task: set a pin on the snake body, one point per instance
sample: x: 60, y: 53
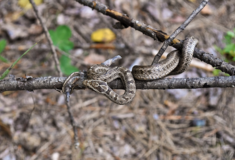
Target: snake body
x: 101, y: 74
x: 175, y: 63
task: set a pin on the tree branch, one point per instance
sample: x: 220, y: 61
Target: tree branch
x: 31, y: 84
x: 178, y: 31
x: 158, y: 34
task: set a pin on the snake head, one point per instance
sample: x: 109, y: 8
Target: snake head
x: 95, y: 71
x: 97, y: 85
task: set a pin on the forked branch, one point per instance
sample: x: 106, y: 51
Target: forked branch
x: 158, y: 34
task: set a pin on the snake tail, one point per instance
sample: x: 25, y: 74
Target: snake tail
x: 186, y: 55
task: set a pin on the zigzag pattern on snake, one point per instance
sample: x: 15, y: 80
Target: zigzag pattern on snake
x: 175, y: 63
x: 100, y: 75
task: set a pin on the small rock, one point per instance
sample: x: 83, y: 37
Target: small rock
x: 55, y: 156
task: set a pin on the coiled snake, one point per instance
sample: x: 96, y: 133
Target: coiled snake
x: 101, y: 74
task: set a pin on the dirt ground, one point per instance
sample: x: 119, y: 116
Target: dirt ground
x: 178, y: 124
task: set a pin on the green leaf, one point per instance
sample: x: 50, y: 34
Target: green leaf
x: 60, y: 37
x: 66, y: 46
x: 229, y: 48
x: 64, y: 32
x: 69, y: 69
x: 60, y: 33
x: 3, y: 44
x: 65, y: 60
x: 65, y: 65
x: 3, y: 59
x: 14, y: 63
x: 231, y: 34
x: 216, y: 72
x: 227, y: 39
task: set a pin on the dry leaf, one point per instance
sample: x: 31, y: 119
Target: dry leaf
x: 27, y: 5
x: 15, y: 31
x: 193, y: 1
x: 35, y: 29
x: 11, y: 17
x: 5, y: 128
x: 207, y: 10
x: 94, y: 59
x: 103, y: 35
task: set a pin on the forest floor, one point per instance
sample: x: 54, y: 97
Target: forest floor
x: 179, y: 124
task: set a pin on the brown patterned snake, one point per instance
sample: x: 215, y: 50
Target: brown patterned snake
x: 175, y: 63
x: 101, y: 74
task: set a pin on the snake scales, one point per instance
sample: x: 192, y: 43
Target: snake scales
x: 175, y: 63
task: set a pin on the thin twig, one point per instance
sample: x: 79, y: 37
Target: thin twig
x: 55, y: 57
x: 158, y: 34
x: 72, y: 122
x: 178, y: 30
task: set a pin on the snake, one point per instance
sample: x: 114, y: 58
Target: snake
x: 176, y: 62
x: 98, y: 76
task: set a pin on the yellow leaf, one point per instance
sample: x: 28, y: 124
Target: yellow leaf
x: 27, y: 5
x: 103, y: 35
x: 193, y: 1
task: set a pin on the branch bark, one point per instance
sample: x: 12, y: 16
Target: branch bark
x: 158, y: 35
x: 31, y: 84
x: 178, y: 31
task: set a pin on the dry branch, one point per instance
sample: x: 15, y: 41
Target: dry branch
x: 158, y: 34
x: 31, y: 84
